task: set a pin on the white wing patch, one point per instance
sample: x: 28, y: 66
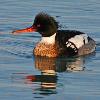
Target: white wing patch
x: 79, y: 40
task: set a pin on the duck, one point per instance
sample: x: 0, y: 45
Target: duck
x: 56, y: 42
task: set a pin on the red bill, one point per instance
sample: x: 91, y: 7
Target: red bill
x: 25, y: 30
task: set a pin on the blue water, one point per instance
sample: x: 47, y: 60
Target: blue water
x: 25, y: 77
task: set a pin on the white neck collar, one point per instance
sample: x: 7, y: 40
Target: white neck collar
x: 48, y: 40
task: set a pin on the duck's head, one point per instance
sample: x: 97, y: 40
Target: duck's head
x: 43, y: 23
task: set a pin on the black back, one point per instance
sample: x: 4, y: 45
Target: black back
x: 62, y: 37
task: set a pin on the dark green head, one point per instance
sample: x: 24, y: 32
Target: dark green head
x: 45, y: 24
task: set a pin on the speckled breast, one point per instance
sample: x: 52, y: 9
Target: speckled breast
x: 49, y: 50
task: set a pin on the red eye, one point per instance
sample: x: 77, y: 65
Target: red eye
x: 38, y: 25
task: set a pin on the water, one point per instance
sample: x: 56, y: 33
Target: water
x: 24, y: 77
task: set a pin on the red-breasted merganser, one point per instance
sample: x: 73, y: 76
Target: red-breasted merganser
x: 56, y: 42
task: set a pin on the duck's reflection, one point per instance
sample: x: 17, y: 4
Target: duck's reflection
x: 48, y: 72
x: 76, y: 64
x: 48, y: 77
x: 50, y: 67
x: 47, y: 83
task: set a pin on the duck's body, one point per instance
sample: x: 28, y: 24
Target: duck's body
x: 55, y: 42
x: 65, y: 42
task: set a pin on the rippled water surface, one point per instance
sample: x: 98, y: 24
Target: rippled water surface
x: 25, y: 77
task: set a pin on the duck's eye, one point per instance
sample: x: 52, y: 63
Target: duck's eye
x: 38, y: 25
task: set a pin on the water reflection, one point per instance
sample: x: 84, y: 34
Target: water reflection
x: 53, y: 65
x: 49, y: 68
x: 46, y: 83
x: 48, y: 77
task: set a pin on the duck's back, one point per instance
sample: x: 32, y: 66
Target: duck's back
x: 73, y: 42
